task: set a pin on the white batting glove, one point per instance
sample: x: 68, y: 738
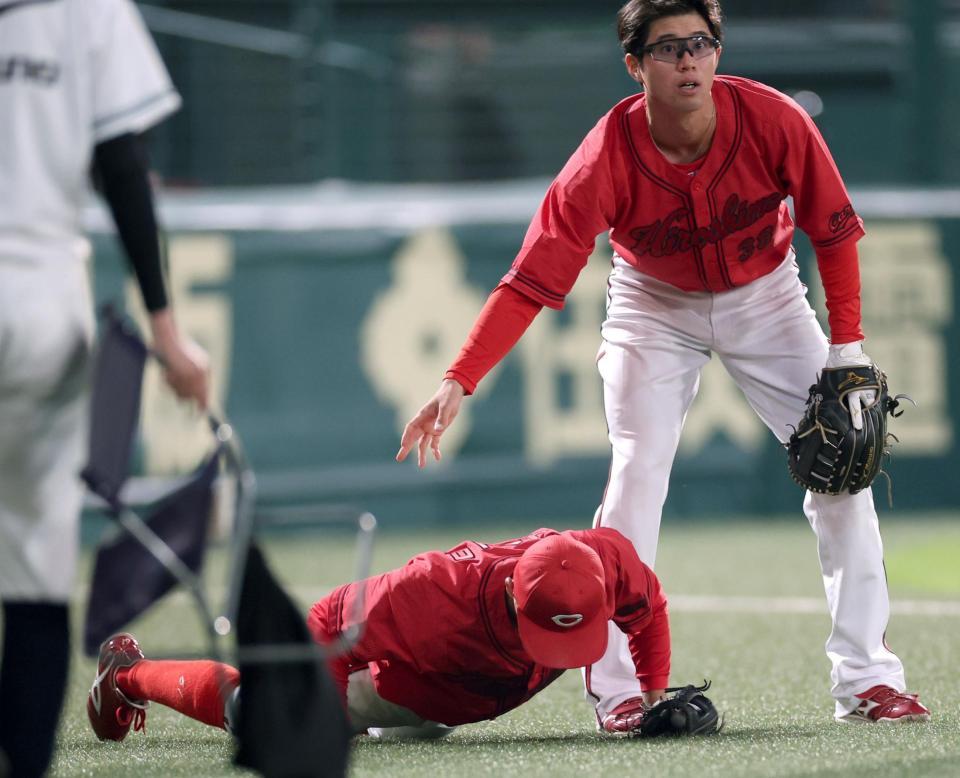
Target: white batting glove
x: 851, y: 355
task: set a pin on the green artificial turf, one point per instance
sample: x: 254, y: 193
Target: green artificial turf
x: 927, y: 566
x: 769, y: 672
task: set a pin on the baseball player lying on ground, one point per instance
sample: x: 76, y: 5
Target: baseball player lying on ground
x: 453, y: 637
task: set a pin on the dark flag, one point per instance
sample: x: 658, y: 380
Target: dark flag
x: 127, y: 578
x: 115, y: 407
x: 291, y: 720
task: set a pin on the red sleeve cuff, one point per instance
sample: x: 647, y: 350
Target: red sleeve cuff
x: 653, y: 682
x: 840, y: 272
x: 469, y: 387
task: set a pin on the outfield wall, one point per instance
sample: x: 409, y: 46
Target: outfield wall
x: 331, y: 313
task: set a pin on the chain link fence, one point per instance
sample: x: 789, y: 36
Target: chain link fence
x: 293, y: 91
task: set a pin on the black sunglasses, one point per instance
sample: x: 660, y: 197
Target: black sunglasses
x: 673, y: 49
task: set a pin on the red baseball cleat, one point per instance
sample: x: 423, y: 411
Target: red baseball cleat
x: 110, y: 712
x: 882, y: 703
x: 624, y: 719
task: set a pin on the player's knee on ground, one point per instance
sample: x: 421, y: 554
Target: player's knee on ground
x: 370, y: 713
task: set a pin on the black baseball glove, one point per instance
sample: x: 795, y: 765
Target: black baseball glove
x: 826, y: 453
x: 687, y: 711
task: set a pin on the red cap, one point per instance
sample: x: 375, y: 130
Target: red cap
x: 561, y: 602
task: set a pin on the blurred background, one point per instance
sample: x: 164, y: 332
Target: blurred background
x: 348, y: 179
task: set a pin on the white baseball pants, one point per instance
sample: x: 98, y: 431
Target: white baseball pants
x: 656, y: 339
x: 369, y: 712
x: 46, y: 331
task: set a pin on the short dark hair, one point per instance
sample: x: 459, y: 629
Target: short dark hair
x: 636, y: 16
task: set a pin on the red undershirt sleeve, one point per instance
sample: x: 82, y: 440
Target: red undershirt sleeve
x: 840, y: 272
x: 638, y: 603
x: 503, y: 320
x: 651, y: 650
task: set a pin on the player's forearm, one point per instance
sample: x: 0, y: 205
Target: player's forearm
x: 840, y: 273
x: 502, y: 321
x: 650, y: 649
x: 122, y: 165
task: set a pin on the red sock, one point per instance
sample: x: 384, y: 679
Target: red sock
x: 197, y: 689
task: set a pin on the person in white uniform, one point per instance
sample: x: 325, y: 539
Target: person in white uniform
x: 79, y: 81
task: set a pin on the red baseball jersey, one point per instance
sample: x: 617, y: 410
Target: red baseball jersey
x: 710, y: 229
x: 440, y: 640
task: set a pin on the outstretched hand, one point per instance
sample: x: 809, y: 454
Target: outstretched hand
x: 424, y: 429
x: 186, y: 366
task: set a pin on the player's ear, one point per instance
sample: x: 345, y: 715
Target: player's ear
x: 632, y: 64
x: 508, y: 585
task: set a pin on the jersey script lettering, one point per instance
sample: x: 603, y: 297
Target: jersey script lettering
x: 663, y: 238
x: 38, y: 71
x: 840, y: 219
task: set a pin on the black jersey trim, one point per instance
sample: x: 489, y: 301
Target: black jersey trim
x: 21, y: 3
x: 534, y: 285
x: 845, y: 235
x: 145, y: 103
x: 724, y: 167
x: 662, y: 182
x: 485, y: 617
x: 341, y: 598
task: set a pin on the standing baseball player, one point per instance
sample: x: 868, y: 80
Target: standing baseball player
x: 452, y: 637
x: 79, y: 80
x: 691, y: 177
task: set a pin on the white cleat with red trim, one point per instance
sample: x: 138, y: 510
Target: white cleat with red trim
x: 885, y: 704
x: 623, y: 720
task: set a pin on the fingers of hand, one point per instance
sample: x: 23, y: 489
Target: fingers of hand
x: 190, y: 384
x: 422, y: 450
x: 426, y: 428
x: 411, y: 434
x: 856, y: 402
x: 187, y: 369
x: 198, y: 392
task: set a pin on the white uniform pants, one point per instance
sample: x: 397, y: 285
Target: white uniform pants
x: 46, y: 328
x: 369, y: 712
x: 656, y: 340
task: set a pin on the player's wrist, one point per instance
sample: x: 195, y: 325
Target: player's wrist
x: 652, y: 697
x: 163, y: 326
x: 453, y: 382
x: 847, y: 354
x: 169, y: 342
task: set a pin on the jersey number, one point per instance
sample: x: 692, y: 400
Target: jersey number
x: 748, y: 246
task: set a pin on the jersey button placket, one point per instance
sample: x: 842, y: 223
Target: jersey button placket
x: 702, y: 217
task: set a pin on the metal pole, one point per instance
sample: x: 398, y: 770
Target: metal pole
x: 316, y: 93
x: 925, y: 22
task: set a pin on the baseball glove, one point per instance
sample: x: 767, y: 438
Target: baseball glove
x: 686, y: 712
x: 825, y: 453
